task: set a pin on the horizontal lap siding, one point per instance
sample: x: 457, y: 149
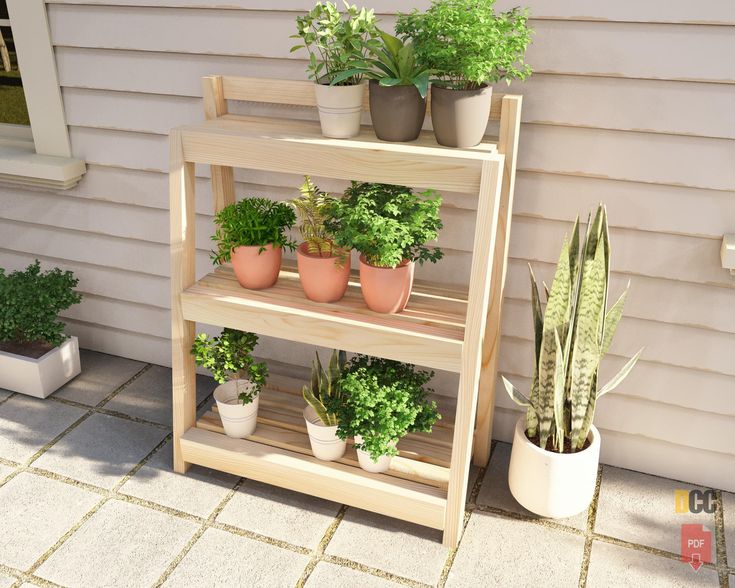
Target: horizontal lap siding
x: 628, y: 107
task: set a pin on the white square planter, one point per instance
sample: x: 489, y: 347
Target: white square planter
x: 44, y: 375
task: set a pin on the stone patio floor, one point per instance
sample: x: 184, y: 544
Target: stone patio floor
x: 88, y: 498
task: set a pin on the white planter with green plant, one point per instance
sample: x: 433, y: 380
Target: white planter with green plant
x: 229, y: 358
x: 556, y: 448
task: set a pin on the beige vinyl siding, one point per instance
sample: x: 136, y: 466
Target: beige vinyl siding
x: 631, y: 105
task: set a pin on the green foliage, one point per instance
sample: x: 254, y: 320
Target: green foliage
x: 467, y: 44
x: 325, y: 388
x: 252, y: 221
x: 336, y: 42
x: 386, y: 223
x: 229, y: 357
x: 312, y: 208
x: 394, y: 64
x: 571, y: 339
x: 383, y: 401
x: 30, y: 302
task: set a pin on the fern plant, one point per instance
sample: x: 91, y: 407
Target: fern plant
x: 325, y: 389
x: 571, y: 338
x: 312, y: 208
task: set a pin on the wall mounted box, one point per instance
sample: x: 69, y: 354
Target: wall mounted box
x: 44, y: 375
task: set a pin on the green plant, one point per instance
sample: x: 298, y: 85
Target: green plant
x: 386, y: 223
x: 571, y: 338
x: 325, y: 387
x: 394, y: 64
x: 383, y: 401
x: 467, y: 44
x: 252, y: 221
x: 336, y: 42
x: 229, y: 358
x: 312, y: 208
x: 31, y: 301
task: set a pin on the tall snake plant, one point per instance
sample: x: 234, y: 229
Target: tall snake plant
x: 324, y: 391
x: 571, y: 338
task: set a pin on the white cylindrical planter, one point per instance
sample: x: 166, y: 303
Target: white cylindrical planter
x: 340, y: 109
x: 239, y: 420
x: 366, y: 462
x: 550, y: 484
x: 325, y: 444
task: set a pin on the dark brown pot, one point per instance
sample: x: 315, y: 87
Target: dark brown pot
x: 460, y: 116
x: 397, y: 112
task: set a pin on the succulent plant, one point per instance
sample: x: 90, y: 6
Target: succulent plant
x: 324, y: 389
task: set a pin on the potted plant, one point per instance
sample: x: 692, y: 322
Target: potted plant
x: 324, y: 269
x: 398, y: 87
x: 252, y: 234
x: 382, y: 401
x: 229, y: 358
x: 390, y: 226
x: 467, y: 46
x: 323, y: 396
x: 36, y: 358
x: 556, y: 448
x: 336, y: 43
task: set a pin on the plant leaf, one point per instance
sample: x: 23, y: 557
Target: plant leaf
x: 515, y: 395
x: 612, y: 318
x: 620, y: 376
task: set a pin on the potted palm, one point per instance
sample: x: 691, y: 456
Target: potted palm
x: 390, y: 226
x: 241, y: 379
x: 323, y: 395
x: 36, y: 358
x: 468, y: 47
x: 324, y: 269
x: 252, y: 234
x: 336, y: 43
x: 556, y: 448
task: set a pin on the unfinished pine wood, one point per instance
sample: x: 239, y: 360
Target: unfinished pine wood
x: 223, y: 179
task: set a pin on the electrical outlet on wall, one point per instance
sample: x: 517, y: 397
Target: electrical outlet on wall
x: 727, y: 253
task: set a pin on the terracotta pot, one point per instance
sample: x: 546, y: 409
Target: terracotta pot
x: 322, y: 279
x: 460, y: 116
x: 397, y: 112
x: 238, y: 420
x: 386, y: 289
x: 256, y: 270
x: 325, y: 444
x: 340, y: 109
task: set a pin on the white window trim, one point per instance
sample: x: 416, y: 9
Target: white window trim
x: 43, y: 157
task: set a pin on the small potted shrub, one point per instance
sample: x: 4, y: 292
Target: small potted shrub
x: 336, y: 43
x: 383, y: 401
x: 556, y: 448
x: 467, y: 46
x: 36, y: 358
x: 324, y: 269
x: 241, y: 379
x: 252, y: 234
x: 323, y: 396
x: 390, y: 226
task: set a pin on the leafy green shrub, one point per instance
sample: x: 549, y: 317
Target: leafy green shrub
x: 30, y: 302
x: 252, y: 221
x: 325, y: 387
x: 229, y: 357
x: 336, y: 44
x: 467, y: 44
x: 386, y: 223
x: 312, y: 209
x: 383, y: 401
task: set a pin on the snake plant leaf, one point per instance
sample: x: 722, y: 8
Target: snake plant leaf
x: 621, y: 375
x: 538, y: 330
x: 514, y: 394
x: 589, y: 415
x: 612, y: 318
x: 574, y: 251
x: 318, y: 406
x: 560, y: 378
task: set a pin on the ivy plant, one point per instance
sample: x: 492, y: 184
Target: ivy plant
x: 467, y: 44
x: 383, y: 400
x: 311, y: 208
x: 229, y: 358
x: 30, y: 301
x: 252, y: 222
x: 336, y: 42
x: 387, y: 224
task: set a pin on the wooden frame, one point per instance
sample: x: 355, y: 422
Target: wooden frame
x: 440, y: 328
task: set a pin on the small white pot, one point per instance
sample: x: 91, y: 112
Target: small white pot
x: 239, y: 420
x: 550, y: 484
x: 340, y: 109
x: 367, y: 463
x: 41, y: 376
x: 325, y: 444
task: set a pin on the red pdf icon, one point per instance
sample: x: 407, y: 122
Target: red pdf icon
x: 696, y: 545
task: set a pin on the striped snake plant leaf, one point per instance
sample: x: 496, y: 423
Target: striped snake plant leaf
x: 560, y: 379
x: 538, y: 329
x: 514, y: 394
x: 621, y: 375
x: 612, y: 318
x: 588, y: 416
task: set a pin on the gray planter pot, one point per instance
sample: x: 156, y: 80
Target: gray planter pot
x: 397, y: 112
x: 460, y: 116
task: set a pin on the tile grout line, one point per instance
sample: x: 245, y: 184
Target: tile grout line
x: 590, y: 530
x: 720, y: 541
x: 318, y: 552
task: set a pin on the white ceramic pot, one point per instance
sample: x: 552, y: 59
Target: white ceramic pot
x: 340, y: 109
x: 325, y: 444
x: 366, y: 462
x: 550, y: 484
x: 41, y: 376
x: 239, y: 420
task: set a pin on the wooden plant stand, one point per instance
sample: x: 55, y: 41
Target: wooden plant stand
x: 441, y: 328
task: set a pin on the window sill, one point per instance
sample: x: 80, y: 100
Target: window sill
x: 21, y: 165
